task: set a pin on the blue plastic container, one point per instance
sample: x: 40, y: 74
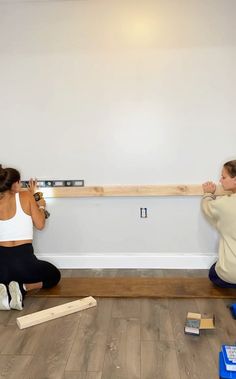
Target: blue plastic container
x: 223, y: 373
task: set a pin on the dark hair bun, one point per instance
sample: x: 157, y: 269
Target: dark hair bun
x: 8, y: 176
x: 3, y: 173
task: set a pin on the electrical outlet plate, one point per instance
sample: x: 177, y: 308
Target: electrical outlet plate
x: 143, y: 212
x: 55, y: 183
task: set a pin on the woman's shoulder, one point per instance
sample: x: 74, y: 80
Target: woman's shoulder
x: 25, y: 195
x: 25, y: 201
x: 225, y: 201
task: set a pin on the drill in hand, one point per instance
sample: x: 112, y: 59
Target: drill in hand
x: 37, y: 197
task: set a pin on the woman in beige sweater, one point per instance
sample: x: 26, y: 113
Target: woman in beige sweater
x: 221, y: 213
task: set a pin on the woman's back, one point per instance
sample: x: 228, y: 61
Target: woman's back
x: 8, y: 205
x: 16, y: 226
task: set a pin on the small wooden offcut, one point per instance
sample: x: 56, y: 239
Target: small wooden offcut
x: 134, y: 287
x: 55, y: 312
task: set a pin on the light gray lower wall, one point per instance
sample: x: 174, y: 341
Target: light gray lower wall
x: 108, y: 232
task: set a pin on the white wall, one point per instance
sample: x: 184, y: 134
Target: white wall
x: 120, y: 92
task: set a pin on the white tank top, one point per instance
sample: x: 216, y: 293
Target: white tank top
x: 17, y: 228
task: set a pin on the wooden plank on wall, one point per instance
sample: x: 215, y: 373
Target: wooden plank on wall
x: 128, y: 190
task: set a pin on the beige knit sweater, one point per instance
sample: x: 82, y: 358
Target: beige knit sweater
x: 221, y: 213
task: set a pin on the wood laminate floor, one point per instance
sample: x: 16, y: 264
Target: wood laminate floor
x: 119, y: 339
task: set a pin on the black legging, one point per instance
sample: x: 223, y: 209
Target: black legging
x: 19, y: 263
x: 217, y: 280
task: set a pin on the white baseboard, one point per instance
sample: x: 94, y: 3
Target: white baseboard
x: 132, y: 260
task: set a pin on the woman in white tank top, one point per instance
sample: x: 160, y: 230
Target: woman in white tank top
x: 20, y: 270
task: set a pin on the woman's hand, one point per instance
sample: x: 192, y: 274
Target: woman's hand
x: 41, y: 202
x: 33, y: 186
x: 209, y: 187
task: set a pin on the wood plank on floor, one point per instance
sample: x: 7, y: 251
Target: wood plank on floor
x: 156, y: 287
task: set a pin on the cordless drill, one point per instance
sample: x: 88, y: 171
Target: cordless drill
x: 37, y: 197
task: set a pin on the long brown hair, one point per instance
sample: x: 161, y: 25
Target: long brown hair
x: 8, y: 176
x: 230, y: 166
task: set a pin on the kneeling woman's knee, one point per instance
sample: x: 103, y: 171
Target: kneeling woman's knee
x: 212, y: 273
x: 57, y: 277
x: 53, y: 279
